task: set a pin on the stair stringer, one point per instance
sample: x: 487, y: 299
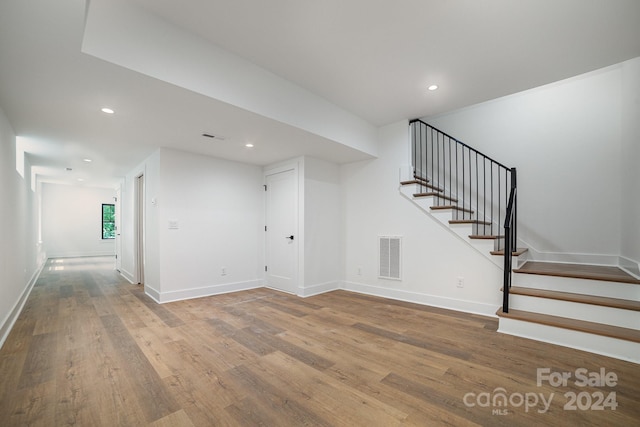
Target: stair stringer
x: 462, y: 231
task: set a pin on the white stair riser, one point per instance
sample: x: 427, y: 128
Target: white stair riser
x: 442, y: 215
x: 612, y: 347
x: 587, y: 312
x: 424, y: 202
x: 484, y: 245
x: 578, y: 286
x: 408, y: 190
x: 462, y: 230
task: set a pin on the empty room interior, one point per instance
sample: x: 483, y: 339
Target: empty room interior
x: 337, y: 213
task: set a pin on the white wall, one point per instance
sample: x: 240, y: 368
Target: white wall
x: 72, y: 220
x: 630, y: 208
x: 218, y: 207
x: 433, y: 258
x: 565, y: 141
x: 20, y: 253
x: 323, y: 227
x: 149, y: 169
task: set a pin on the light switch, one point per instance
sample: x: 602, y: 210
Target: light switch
x: 173, y: 224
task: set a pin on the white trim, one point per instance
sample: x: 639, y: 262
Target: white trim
x: 152, y: 293
x: 319, y: 288
x: 127, y: 275
x: 183, y: 294
x: 81, y: 254
x: 630, y: 266
x: 424, y: 299
x: 10, y: 320
x: 569, y: 257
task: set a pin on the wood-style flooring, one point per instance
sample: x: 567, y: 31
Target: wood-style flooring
x: 90, y: 349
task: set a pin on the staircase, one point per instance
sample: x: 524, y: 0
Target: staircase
x: 592, y: 308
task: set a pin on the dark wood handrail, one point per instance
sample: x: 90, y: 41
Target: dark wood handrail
x: 509, y: 241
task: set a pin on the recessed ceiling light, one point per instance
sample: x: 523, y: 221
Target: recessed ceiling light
x: 249, y: 145
x: 433, y: 87
x: 87, y: 160
x: 107, y: 110
x: 80, y: 179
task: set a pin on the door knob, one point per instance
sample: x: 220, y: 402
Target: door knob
x: 289, y: 237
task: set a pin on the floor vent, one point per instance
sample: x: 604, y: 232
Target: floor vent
x: 390, y: 256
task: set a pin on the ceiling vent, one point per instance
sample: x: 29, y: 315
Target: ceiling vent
x: 212, y: 136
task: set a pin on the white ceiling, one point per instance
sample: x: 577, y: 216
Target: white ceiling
x: 373, y: 58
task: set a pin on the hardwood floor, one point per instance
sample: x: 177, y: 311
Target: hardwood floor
x: 91, y: 349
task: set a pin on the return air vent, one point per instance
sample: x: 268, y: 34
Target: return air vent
x: 390, y: 249
x: 212, y: 136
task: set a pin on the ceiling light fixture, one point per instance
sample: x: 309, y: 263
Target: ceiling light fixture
x: 107, y: 110
x: 433, y: 87
x: 249, y: 145
x: 87, y: 160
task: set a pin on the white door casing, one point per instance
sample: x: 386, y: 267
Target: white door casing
x: 118, y: 218
x: 281, y: 252
x: 139, y: 228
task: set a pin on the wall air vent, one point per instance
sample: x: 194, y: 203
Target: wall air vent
x: 390, y: 252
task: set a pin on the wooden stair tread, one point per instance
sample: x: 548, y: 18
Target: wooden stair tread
x: 573, y: 324
x: 434, y: 194
x: 457, y: 208
x: 416, y: 180
x: 485, y: 237
x: 579, y: 271
x: 469, y: 221
x: 517, y: 252
x: 580, y: 298
x: 421, y: 183
x: 412, y: 181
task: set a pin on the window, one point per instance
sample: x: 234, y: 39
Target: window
x: 108, y: 221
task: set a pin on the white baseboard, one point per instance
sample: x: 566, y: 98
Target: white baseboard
x: 127, y: 275
x: 152, y: 293
x: 81, y: 254
x: 183, y: 294
x: 320, y: 288
x: 570, y: 258
x: 424, y: 299
x: 630, y: 266
x: 10, y: 320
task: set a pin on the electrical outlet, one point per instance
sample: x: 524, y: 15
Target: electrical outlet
x: 359, y: 271
x: 460, y: 282
x: 223, y: 271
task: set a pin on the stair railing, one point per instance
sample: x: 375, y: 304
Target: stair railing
x: 476, y: 187
x: 510, y: 237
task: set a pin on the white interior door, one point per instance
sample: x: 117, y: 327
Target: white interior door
x: 281, y: 231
